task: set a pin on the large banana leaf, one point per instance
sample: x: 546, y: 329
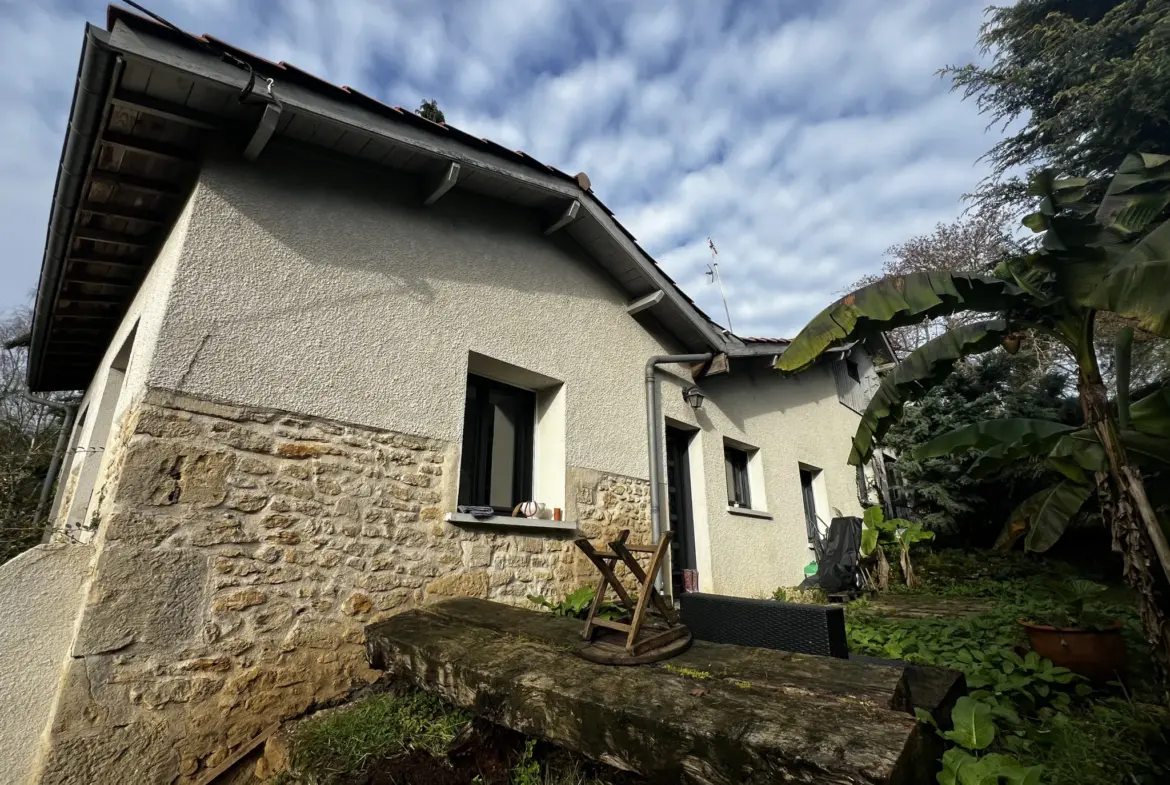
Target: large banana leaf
x: 1079, y: 455
x: 1043, y: 517
x: 918, y: 373
x: 1138, y: 286
x: 896, y: 302
x: 1018, y: 433
x: 1124, y: 205
x: 1152, y: 414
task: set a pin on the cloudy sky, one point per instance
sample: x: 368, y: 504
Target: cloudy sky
x: 803, y: 137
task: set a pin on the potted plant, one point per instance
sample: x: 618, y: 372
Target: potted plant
x: 1077, y: 636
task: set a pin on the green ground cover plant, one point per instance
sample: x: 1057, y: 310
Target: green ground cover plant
x: 1040, y: 715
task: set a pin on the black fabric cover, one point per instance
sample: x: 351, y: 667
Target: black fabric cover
x: 766, y: 624
x: 837, y: 568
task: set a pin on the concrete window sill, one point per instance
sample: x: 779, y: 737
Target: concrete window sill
x: 749, y: 513
x: 508, y: 522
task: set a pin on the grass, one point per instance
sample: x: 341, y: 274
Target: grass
x: 1109, y: 741
x: 346, y: 740
x: 342, y: 744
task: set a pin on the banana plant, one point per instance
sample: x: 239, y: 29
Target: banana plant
x: 877, y: 529
x: 1113, y: 256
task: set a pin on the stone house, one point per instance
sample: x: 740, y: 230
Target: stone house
x: 309, y: 327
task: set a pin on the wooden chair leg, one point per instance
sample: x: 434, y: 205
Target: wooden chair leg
x: 646, y: 581
x: 608, y: 578
x: 647, y: 578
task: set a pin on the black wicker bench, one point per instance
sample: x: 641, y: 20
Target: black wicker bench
x: 766, y: 624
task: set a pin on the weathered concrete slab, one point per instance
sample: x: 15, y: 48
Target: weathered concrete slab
x: 756, y: 716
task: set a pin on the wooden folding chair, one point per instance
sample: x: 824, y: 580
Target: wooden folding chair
x: 641, y: 636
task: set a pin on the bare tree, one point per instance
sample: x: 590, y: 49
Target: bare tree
x: 972, y: 243
x: 28, y: 436
x: 975, y: 242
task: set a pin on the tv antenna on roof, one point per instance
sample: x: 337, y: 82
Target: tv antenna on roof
x: 714, y: 277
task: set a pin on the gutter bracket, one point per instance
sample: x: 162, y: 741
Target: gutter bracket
x: 567, y: 217
x: 645, y: 303
x: 266, y: 127
x: 444, y: 184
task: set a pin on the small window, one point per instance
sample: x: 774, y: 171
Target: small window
x: 738, y: 489
x: 496, y: 465
x: 862, y: 486
x: 808, y: 496
x: 853, y: 370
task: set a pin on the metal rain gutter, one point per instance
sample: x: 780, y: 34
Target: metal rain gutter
x: 95, y: 75
x: 655, y: 438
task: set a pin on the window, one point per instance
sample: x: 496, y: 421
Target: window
x: 808, y: 496
x: 496, y: 465
x: 862, y: 486
x: 853, y: 371
x: 738, y: 489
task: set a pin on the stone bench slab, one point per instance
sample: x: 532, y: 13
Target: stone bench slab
x: 716, y: 714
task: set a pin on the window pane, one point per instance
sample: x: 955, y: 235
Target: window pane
x: 496, y: 467
x: 503, y: 471
x: 735, y: 463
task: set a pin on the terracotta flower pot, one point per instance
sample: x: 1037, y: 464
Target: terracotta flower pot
x: 1096, y: 654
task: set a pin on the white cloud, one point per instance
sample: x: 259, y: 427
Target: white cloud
x: 804, y: 138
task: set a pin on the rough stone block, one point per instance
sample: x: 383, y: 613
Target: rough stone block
x: 238, y: 600
x: 460, y: 584
x: 152, y: 598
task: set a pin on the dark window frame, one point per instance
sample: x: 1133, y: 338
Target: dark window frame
x: 475, y: 463
x: 739, y: 489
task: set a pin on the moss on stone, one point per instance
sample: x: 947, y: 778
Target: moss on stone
x: 690, y: 673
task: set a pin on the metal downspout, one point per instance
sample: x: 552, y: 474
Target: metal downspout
x: 654, y: 437
x: 68, y: 412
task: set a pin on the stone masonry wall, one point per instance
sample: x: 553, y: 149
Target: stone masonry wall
x: 241, y: 554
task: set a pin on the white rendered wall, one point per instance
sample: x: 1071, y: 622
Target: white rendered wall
x: 312, y: 288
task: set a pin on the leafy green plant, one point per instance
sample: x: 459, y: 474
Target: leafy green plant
x: 527, y: 770
x: 877, y: 531
x: 1077, y: 608
x: 577, y: 603
x: 968, y: 762
x: 1113, y: 257
x: 1044, y: 714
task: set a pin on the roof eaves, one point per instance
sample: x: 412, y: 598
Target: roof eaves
x: 95, y: 72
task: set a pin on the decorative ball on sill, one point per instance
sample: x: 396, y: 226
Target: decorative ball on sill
x: 529, y: 509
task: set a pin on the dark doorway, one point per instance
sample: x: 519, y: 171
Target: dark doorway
x: 678, y: 499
